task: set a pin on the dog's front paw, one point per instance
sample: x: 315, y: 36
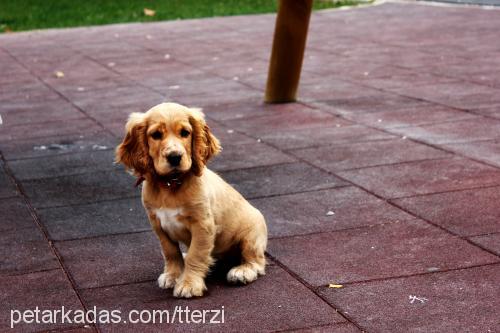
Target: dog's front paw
x: 188, y: 288
x: 166, y: 281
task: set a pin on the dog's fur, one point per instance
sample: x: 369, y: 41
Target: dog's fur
x: 203, y: 212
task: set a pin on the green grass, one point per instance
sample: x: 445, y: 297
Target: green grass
x: 17, y: 15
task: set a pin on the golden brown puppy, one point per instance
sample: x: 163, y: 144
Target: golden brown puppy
x: 168, y: 147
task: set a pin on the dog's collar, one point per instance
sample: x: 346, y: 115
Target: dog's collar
x: 139, y: 181
x: 172, y: 181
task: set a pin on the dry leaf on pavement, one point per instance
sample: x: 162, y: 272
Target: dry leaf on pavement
x: 332, y: 285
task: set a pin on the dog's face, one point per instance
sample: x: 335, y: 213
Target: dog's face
x: 169, y: 138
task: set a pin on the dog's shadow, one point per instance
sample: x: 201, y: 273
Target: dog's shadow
x: 218, y: 272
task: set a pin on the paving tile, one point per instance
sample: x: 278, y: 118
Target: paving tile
x: 80, y: 189
x: 104, y: 51
x: 460, y: 94
x: 486, y: 151
x: 490, y: 242
x: 111, y: 260
x: 377, y: 252
x: 115, y: 97
x: 484, y: 72
x: 373, y: 103
x: 465, y: 213
x: 251, y: 110
x: 405, y: 78
x: 248, y: 155
x: 84, y: 73
x: 280, y: 179
x: 336, y: 328
x: 329, y: 89
x: 83, y: 329
x: 206, y: 84
x: 284, y: 121
x: 489, y: 111
x: 332, y: 135
x: 182, y: 76
x: 365, y: 154
x: 427, y: 115
x: 227, y: 135
x: 64, y: 165
x: 38, y: 130
x: 454, y: 132
x: 241, y: 94
x: 101, y: 218
x: 305, y: 213
x: 15, y: 214
x: 463, y: 300
x: 264, y: 305
x: 423, y: 177
x: 25, y: 250
x: 38, y: 112
x: 134, y: 64
x: 7, y: 188
x: 49, y: 290
x: 31, y: 93
x: 57, y: 145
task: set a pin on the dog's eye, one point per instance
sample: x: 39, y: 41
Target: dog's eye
x: 156, y: 135
x: 185, y: 133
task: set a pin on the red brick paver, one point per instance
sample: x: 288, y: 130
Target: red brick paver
x: 384, y: 177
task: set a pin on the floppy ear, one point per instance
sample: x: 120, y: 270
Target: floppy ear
x: 204, y: 143
x: 133, y: 151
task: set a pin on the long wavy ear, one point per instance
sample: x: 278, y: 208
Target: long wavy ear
x: 133, y: 151
x: 204, y: 143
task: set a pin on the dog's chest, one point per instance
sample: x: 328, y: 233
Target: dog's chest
x: 169, y: 220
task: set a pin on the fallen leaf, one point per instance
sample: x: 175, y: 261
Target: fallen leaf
x: 332, y: 285
x: 59, y: 74
x: 149, y: 12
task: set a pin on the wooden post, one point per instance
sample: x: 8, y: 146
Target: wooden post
x: 290, y: 36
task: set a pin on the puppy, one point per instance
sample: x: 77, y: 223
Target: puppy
x: 167, y: 148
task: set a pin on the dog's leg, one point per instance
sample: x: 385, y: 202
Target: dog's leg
x: 171, y: 253
x: 197, y: 261
x: 253, y: 259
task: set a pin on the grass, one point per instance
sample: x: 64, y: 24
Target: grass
x: 18, y: 15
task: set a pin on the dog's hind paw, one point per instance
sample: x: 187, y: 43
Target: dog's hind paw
x: 242, y: 274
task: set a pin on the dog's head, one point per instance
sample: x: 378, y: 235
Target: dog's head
x: 169, y: 138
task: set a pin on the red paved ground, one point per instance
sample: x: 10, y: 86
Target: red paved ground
x: 397, y: 132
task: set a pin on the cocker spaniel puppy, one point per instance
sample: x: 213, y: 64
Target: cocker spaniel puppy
x: 167, y: 148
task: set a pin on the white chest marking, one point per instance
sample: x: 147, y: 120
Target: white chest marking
x: 168, y: 219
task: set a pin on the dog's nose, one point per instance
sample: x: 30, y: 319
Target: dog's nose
x: 174, y: 159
